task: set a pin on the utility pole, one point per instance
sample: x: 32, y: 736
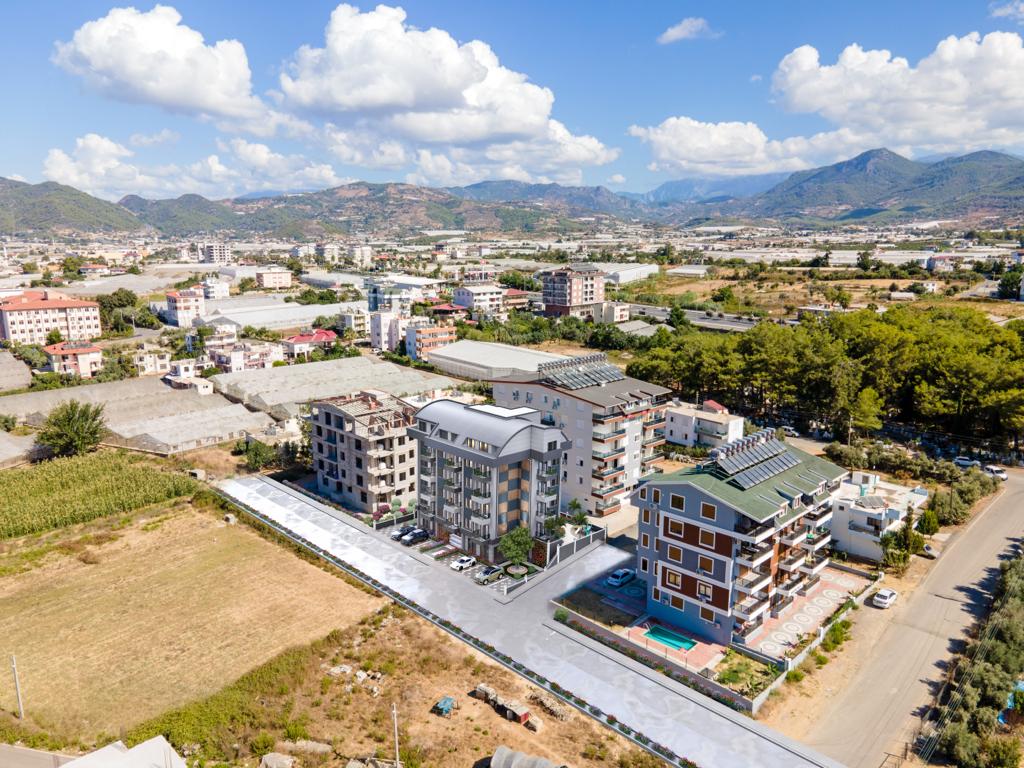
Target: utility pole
x: 17, y: 687
x: 394, y: 716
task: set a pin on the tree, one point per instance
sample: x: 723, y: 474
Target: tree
x: 577, y: 513
x: 864, y: 261
x: 1002, y: 752
x: 1009, y: 285
x: 8, y: 422
x: 515, y: 545
x: 928, y: 525
x: 259, y: 455
x: 54, y: 337
x: 865, y: 413
x: 73, y: 428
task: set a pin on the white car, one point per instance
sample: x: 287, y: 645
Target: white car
x: 619, y: 577
x: 462, y: 563
x: 884, y: 598
x: 965, y: 462
x: 788, y: 431
x: 995, y: 471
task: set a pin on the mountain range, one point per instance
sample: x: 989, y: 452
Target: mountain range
x: 878, y: 186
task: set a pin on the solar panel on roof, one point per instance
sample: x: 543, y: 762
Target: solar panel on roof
x: 581, y: 375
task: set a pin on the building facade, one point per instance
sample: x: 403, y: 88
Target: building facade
x: 27, y: 318
x: 866, y: 508
x: 151, y: 361
x: 358, y: 321
x: 361, y: 452
x: 246, y: 356
x: 688, y: 424
x: 576, y: 290
x: 216, y: 289
x: 729, y: 543
x: 421, y: 340
x: 302, y: 344
x: 215, y: 253
x: 274, y: 278
x: 74, y: 358
x: 484, y: 470
x: 186, y: 306
x: 482, y: 299
x: 615, y: 424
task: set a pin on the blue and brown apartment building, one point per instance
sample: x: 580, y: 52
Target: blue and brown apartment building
x: 726, y: 544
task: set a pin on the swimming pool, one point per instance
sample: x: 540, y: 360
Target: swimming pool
x: 669, y: 638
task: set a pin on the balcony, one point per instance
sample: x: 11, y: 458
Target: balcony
x: 608, y: 490
x: 426, y: 470
x: 813, y: 566
x: 866, y: 530
x: 793, y: 538
x: 755, y: 534
x: 379, y: 453
x: 793, y: 562
x: 791, y: 586
x: 380, y: 469
x: 547, y: 493
x: 609, y: 435
x: 603, y: 454
x: 480, y: 497
x: 426, y: 496
x: 753, y: 555
x: 747, y: 632
x: 781, y: 606
x: 654, y: 439
x: 380, y: 488
x: 601, y: 474
x: 753, y: 581
x: 817, y: 542
x: 606, y: 507
x: 819, y: 516
x: 751, y: 606
x: 655, y: 423
x: 551, y: 471
x: 480, y: 516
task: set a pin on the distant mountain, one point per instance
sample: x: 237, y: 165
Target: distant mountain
x: 54, y: 208
x: 697, y: 189
x: 568, y: 199
x: 262, y: 193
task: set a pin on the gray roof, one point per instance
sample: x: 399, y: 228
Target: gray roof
x: 493, y: 355
x: 14, y: 374
x: 487, y: 424
x: 607, y: 394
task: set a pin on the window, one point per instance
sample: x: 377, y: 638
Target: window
x: 645, y: 540
x: 705, y: 563
x: 707, y: 511
x: 656, y: 595
x: 643, y: 493
x: 675, y: 554
x: 675, y: 527
x: 707, y: 539
x: 704, y: 590
x: 656, y: 497
x: 673, y: 579
x: 646, y: 515
x: 643, y: 566
x: 677, y: 502
x: 677, y: 603
x: 708, y: 615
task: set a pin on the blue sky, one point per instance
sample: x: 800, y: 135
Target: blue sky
x: 149, y: 101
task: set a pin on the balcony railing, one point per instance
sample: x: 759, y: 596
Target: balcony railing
x: 753, y: 555
x: 793, y: 538
x: 603, y: 454
x: 607, y: 490
x: 601, y: 474
x: 751, y: 606
x: 609, y: 435
x: 753, y: 581
x: 815, y: 542
x: 755, y: 533
x: 794, y: 561
x: 814, y: 565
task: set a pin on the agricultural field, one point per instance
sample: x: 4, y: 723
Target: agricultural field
x: 118, y: 620
x: 314, y: 692
x: 63, y: 492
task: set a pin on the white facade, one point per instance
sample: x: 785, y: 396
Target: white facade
x: 387, y: 329
x: 215, y: 253
x: 152, y: 362
x: 215, y: 289
x: 305, y: 251
x: 612, y: 312
x: 186, y: 306
x: 274, y: 278
x: 688, y: 424
x: 358, y: 321
x: 487, y: 299
x: 866, y: 508
x: 27, y: 318
x: 361, y: 256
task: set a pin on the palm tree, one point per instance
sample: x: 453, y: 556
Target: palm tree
x: 73, y: 428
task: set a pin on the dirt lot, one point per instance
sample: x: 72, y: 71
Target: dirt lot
x: 217, y: 460
x: 116, y: 622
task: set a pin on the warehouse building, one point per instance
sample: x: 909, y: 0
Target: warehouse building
x: 483, y: 360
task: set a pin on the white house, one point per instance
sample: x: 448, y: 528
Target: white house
x: 866, y: 508
x: 707, y: 424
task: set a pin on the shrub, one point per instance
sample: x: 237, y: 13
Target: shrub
x: 262, y: 744
x: 561, y: 615
x: 794, y: 675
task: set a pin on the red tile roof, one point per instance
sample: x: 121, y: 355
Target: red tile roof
x: 711, y: 405
x: 319, y: 336
x: 71, y: 348
x: 30, y: 300
x: 515, y: 292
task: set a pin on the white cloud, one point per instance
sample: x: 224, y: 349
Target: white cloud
x: 689, y: 28
x: 756, y: 78
x: 103, y: 167
x: 616, y: 178
x: 961, y: 97
x: 163, y: 136
x: 152, y: 58
x: 16, y: 177
x: 1012, y: 10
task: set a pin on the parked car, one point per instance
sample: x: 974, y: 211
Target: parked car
x: 884, y: 598
x: 993, y: 470
x: 415, y: 536
x: 966, y: 462
x: 487, y: 575
x: 462, y: 563
x: 619, y: 577
x: 398, y: 533
x: 788, y: 431
x: 929, y: 551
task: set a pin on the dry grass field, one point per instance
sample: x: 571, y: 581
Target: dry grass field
x: 118, y: 621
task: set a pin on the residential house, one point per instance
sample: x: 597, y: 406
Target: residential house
x: 151, y: 361
x: 866, y: 508
x: 274, y: 278
x: 516, y: 300
x: 29, y: 316
x: 484, y: 470
x: 215, y: 253
x: 302, y: 344
x: 726, y: 544
x: 246, y: 356
x: 216, y: 289
x: 93, y: 270
x: 706, y: 424
x: 615, y: 423
x: 388, y: 329
x: 361, y: 453
x: 74, y: 358
x: 186, y: 306
x: 358, y: 321
x: 483, y: 300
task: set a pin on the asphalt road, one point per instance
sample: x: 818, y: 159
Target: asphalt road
x: 879, y: 711
x: 699, y: 318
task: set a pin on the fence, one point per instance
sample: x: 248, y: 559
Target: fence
x: 636, y: 737
x: 556, y: 552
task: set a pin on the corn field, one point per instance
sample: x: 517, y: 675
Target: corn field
x: 64, y: 492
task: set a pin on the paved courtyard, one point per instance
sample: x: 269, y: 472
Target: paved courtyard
x: 668, y: 712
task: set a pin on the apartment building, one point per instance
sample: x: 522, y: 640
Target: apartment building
x: 421, y: 340
x: 866, y: 508
x: 151, y: 361
x: 186, y: 306
x: 216, y: 289
x: 576, y: 290
x: 302, y: 344
x: 383, y: 295
x: 215, y: 253
x: 483, y: 299
x: 479, y: 273
x: 516, y: 300
x: 27, y: 317
x: 705, y: 424
x: 484, y: 470
x: 273, y: 278
x: 74, y: 358
x: 246, y: 356
x: 724, y: 545
x: 361, y: 452
x: 615, y: 424
x: 361, y: 256
x: 327, y: 253
x: 388, y: 329
x: 358, y: 321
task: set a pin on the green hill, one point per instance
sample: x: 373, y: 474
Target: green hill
x: 50, y: 207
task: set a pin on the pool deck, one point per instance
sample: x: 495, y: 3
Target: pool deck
x: 702, y: 655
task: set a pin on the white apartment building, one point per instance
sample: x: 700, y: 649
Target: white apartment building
x: 246, y: 356
x: 74, y: 358
x: 27, y: 317
x: 707, y: 424
x: 866, y: 508
x: 327, y: 253
x: 483, y: 299
x: 186, y: 306
x: 615, y: 424
x: 361, y: 453
x: 305, y: 251
x: 361, y: 256
x: 151, y: 361
x: 215, y: 253
x: 273, y: 278
x: 358, y: 321
x: 387, y: 329
x: 215, y: 289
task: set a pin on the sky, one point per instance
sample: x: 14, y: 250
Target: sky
x: 222, y: 99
